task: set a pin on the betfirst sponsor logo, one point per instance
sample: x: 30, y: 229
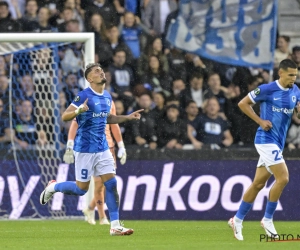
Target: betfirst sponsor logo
x: 101, y: 114
x: 159, y: 194
x: 283, y: 110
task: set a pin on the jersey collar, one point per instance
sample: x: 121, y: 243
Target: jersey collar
x: 95, y: 91
x: 282, y: 88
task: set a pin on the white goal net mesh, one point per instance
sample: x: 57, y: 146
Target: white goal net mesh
x: 38, y: 81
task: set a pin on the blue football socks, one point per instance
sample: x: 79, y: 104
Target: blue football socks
x: 243, y: 210
x: 270, y: 209
x: 69, y: 187
x: 112, y: 199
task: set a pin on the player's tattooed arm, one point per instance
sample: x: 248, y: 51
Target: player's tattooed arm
x: 112, y: 119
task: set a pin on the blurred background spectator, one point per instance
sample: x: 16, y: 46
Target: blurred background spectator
x: 171, y: 130
x: 210, y: 128
x: 144, y: 130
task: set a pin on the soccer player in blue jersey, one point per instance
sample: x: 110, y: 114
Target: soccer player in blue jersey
x: 278, y: 100
x: 92, y: 155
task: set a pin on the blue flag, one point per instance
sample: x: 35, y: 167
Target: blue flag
x: 237, y: 32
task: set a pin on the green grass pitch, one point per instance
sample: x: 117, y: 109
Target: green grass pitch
x: 74, y: 234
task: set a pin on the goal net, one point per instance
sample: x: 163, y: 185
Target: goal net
x: 40, y: 74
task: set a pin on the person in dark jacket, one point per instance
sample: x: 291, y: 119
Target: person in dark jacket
x: 6, y: 23
x: 193, y: 92
x: 105, y: 49
x: 122, y: 79
x: 144, y: 129
x: 172, y: 131
x: 105, y: 8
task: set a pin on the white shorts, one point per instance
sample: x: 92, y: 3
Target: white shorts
x: 270, y: 155
x: 93, y: 164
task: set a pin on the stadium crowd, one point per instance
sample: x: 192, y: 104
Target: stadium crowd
x: 188, y: 101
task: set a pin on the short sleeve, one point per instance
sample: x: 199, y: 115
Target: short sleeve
x: 79, y: 99
x: 259, y: 94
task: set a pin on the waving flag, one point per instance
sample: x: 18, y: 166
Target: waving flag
x: 237, y: 32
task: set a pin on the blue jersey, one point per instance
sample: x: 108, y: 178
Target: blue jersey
x: 90, y: 136
x: 277, y: 105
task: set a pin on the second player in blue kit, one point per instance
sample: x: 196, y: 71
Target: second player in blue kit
x: 278, y: 101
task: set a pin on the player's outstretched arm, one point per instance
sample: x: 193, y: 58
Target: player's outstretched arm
x: 71, y: 112
x: 112, y: 119
x: 246, y: 106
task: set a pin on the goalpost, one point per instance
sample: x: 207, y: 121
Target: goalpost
x: 20, y: 183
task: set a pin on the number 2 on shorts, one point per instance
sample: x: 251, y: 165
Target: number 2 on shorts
x: 276, y: 152
x: 84, y: 173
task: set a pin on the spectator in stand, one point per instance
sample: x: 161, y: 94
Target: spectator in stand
x: 7, y: 24
x: 210, y: 128
x: 71, y: 56
x: 105, y: 8
x: 156, y: 77
x: 122, y: 79
x: 72, y: 87
x: 158, y: 112
x: 25, y: 126
x: 171, y: 130
x: 106, y: 49
x: 282, y: 52
x: 131, y: 30
x: 78, y: 13
x: 97, y: 26
x: 72, y: 26
x: 217, y: 90
x: 54, y: 7
x: 190, y: 116
x: 30, y: 15
x: 3, y: 66
x: 66, y: 15
x: 42, y: 24
x: 143, y: 130
x: 27, y: 89
x: 125, y: 127
x: 177, y: 64
x: 154, y: 47
x: 193, y: 92
x: 178, y: 86
x: 296, y: 59
x: 156, y: 13
x: 191, y: 112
